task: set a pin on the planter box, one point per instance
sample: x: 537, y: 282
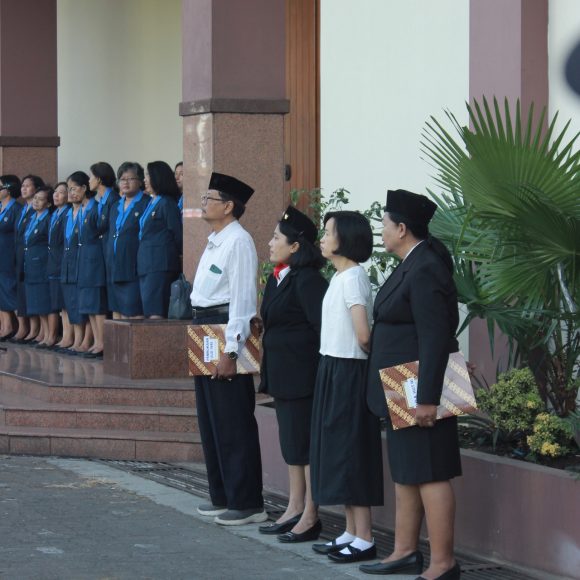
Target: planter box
x: 146, y: 349
x: 507, y: 510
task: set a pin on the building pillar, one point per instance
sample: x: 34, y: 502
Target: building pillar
x: 28, y: 88
x: 233, y: 107
x: 508, y: 57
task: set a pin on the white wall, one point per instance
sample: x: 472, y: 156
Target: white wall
x: 386, y: 66
x: 119, y: 82
x: 563, y: 35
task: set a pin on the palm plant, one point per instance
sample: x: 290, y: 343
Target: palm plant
x: 510, y: 191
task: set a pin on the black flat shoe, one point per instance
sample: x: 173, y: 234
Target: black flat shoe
x: 451, y: 574
x: 325, y: 549
x: 280, y: 528
x: 411, y: 564
x: 354, y: 555
x: 307, y: 536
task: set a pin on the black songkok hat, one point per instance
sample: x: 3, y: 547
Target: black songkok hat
x: 230, y: 186
x: 418, y: 209
x: 300, y: 222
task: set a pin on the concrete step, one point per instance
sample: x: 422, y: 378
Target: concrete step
x: 21, y: 411
x: 101, y: 443
x: 176, y: 393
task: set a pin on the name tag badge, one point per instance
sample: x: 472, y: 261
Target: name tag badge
x: 210, y: 349
x: 213, y: 268
x: 136, y: 214
x: 410, y: 386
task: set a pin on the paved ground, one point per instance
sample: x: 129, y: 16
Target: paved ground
x: 64, y: 519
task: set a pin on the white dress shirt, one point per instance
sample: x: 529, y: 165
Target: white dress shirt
x: 227, y: 274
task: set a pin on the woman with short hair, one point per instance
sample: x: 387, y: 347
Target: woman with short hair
x: 9, y: 215
x: 124, y: 241
x: 346, y: 440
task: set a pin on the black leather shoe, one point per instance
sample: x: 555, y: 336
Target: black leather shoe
x: 307, y: 536
x: 281, y: 527
x: 355, y: 555
x: 451, y: 574
x: 411, y: 564
x: 325, y: 549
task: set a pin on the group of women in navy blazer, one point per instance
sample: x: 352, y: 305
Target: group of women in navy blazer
x: 85, y: 250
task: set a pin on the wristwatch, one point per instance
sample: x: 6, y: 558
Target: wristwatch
x: 232, y: 355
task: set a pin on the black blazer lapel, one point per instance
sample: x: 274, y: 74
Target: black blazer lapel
x: 278, y: 290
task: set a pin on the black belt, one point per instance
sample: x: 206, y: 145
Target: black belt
x: 199, y: 312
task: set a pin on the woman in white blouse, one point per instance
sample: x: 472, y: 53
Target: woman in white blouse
x: 345, y: 450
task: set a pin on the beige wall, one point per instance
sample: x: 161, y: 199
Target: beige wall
x: 119, y: 82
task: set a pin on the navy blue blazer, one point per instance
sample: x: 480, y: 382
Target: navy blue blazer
x: 19, y: 241
x: 122, y: 262
x: 162, y: 239
x: 70, y: 257
x: 56, y: 246
x: 8, y: 225
x: 105, y: 218
x: 91, y: 259
x: 36, y: 253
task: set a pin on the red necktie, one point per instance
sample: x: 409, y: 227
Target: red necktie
x: 277, y: 269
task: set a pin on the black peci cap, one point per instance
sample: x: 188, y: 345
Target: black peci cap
x: 417, y: 208
x: 300, y: 222
x: 230, y: 186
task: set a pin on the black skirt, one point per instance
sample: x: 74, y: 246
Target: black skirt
x: 345, y: 451
x: 294, y: 419
x: 424, y: 454
x: 56, y: 297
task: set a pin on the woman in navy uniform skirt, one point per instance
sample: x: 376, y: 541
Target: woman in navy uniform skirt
x: 103, y: 182
x: 416, y: 318
x: 9, y: 213
x: 28, y: 328
x: 160, y: 240
x: 55, y: 252
x: 92, y: 282
x: 346, y: 450
x: 124, y: 241
x: 291, y: 312
x: 70, y: 266
x: 36, y: 259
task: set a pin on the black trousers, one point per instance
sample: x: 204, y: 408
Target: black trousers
x: 229, y: 436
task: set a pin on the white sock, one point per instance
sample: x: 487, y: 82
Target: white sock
x: 343, y: 539
x: 358, y: 543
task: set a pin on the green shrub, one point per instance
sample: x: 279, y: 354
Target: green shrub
x: 551, y: 436
x: 513, y: 402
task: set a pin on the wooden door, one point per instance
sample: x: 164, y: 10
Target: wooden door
x: 302, y: 124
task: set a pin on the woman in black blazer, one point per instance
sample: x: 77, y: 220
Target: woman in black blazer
x: 291, y: 312
x: 125, y: 298
x: 160, y: 240
x: 416, y: 318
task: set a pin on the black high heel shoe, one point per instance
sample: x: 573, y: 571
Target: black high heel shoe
x: 451, y: 574
x: 308, y: 536
x: 411, y: 564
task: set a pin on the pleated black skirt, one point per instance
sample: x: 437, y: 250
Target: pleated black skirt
x: 294, y: 421
x: 424, y: 454
x: 345, y: 450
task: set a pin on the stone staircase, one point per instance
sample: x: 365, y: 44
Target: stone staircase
x: 53, y: 404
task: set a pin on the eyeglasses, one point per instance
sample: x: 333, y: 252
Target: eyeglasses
x: 127, y: 180
x: 204, y: 199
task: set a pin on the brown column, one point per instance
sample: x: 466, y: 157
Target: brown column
x: 233, y: 107
x: 508, y: 57
x: 28, y: 93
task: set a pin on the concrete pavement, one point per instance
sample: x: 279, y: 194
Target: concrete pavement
x: 72, y: 519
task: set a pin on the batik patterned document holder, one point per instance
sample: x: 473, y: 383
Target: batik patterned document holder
x: 205, y: 345
x: 456, y: 399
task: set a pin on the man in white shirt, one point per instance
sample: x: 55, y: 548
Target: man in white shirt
x: 224, y: 291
